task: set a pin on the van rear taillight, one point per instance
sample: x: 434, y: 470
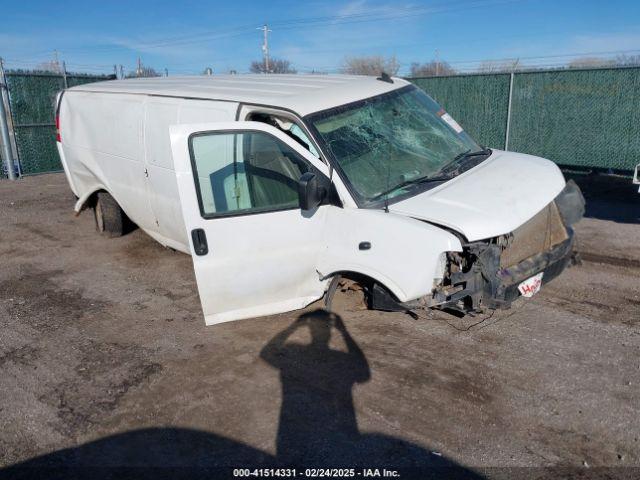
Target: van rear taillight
x: 58, y: 138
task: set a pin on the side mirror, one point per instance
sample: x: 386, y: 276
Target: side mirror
x: 309, y: 192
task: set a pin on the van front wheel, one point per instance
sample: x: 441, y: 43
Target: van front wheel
x: 109, y: 216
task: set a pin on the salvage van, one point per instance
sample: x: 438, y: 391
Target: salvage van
x: 280, y: 185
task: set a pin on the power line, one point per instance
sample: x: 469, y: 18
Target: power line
x: 400, y: 12
x: 303, y: 22
x: 391, y: 13
x: 163, y: 43
x: 389, y: 46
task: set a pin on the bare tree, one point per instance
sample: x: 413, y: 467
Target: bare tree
x: 431, y: 69
x: 373, y: 65
x: 591, y: 62
x: 276, y: 65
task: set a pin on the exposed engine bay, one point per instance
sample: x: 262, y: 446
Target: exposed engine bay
x: 486, y: 274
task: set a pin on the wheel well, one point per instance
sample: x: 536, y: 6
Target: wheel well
x: 370, y: 287
x: 376, y: 295
x: 91, y: 201
x: 88, y: 200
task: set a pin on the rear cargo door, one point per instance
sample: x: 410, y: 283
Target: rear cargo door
x: 254, y: 250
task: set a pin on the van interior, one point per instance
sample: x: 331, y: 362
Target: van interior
x: 286, y: 125
x: 250, y: 171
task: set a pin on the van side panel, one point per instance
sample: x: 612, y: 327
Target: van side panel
x: 102, y: 145
x: 163, y: 188
x: 120, y: 143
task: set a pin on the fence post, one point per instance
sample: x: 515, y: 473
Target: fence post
x: 508, y: 129
x: 4, y: 126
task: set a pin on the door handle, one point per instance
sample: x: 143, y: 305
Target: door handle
x: 199, y: 241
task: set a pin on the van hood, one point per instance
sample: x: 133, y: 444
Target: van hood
x: 492, y: 199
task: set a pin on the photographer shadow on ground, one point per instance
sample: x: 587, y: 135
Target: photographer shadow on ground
x: 318, y: 427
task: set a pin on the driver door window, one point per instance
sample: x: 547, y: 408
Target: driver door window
x: 244, y: 172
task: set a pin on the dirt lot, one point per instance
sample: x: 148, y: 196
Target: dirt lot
x: 105, y: 358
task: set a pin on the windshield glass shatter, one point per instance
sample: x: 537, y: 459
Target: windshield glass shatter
x: 384, y: 144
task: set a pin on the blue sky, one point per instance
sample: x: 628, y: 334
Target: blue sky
x: 187, y: 36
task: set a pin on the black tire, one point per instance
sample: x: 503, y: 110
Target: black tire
x: 110, y: 219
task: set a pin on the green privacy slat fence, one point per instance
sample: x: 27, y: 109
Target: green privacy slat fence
x: 584, y: 118
x: 579, y: 118
x: 32, y: 100
x: 477, y: 102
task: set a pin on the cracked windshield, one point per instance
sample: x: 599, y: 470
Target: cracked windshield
x: 389, y: 145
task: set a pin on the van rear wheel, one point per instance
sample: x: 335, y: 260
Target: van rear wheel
x: 110, y: 218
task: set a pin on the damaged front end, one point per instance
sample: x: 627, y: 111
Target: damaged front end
x: 486, y: 274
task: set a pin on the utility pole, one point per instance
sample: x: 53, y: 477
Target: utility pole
x: 437, y: 63
x: 139, y: 68
x: 115, y: 71
x: 121, y: 72
x: 265, y: 46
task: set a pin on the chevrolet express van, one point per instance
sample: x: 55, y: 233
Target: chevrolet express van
x: 278, y: 185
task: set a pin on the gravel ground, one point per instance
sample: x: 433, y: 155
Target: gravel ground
x: 105, y: 359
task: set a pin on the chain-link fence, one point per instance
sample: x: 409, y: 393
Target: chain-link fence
x: 577, y: 118
x: 32, y: 109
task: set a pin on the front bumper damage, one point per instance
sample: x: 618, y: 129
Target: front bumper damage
x: 486, y: 274
x: 488, y: 285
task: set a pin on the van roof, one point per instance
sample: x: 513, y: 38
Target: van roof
x: 302, y: 93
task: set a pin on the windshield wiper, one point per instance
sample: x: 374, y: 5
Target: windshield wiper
x: 454, y: 165
x: 442, y: 175
x: 469, y: 153
x: 414, y: 181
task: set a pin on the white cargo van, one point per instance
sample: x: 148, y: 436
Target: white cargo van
x: 278, y: 185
